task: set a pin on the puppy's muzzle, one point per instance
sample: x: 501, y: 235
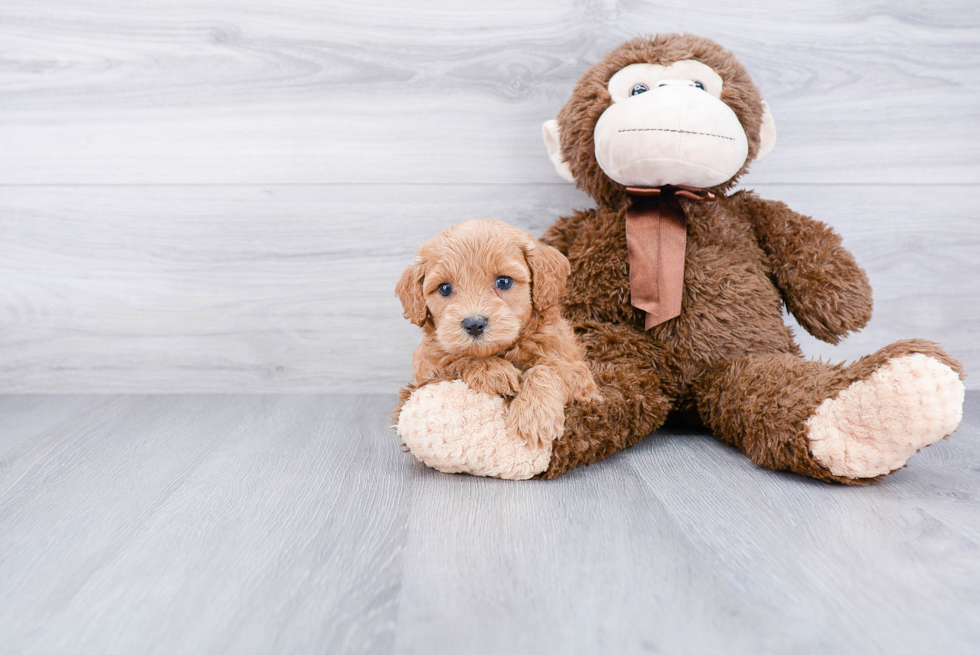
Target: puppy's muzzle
x: 475, y: 325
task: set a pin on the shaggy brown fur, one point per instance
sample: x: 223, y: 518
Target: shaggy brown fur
x: 729, y: 357
x: 527, y: 352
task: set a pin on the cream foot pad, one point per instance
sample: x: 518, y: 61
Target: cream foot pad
x: 454, y: 429
x: 875, y: 425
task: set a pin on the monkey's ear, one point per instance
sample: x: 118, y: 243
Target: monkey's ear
x: 409, y: 292
x: 549, y: 273
x: 553, y: 141
x: 767, y: 133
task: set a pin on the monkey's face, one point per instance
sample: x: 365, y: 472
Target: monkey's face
x: 667, y: 125
x: 648, y: 116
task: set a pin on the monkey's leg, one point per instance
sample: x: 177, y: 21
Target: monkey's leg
x: 454, y: 429
x: 634, y: 382
x: 850, y: 424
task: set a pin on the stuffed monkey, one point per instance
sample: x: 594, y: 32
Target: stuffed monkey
x: 677, y: 287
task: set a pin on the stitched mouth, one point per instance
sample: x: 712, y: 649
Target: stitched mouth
x: 661, y: 129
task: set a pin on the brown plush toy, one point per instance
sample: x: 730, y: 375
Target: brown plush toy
x: 676, y: 288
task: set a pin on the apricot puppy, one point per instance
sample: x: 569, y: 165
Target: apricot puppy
x: 487, y: 298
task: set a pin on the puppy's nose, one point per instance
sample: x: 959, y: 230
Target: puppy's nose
x: 475, y: 325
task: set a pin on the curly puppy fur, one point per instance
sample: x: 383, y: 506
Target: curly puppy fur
x: 728, y: 359
x: 526, y: 352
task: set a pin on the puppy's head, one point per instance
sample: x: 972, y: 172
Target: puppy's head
x: 478, y: 283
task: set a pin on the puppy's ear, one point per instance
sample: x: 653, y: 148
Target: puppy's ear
x: 549, y: 273
x: 409, y: 292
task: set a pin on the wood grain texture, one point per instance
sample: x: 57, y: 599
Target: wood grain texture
x: 169, y: 289
x: 263, y: 92
x: 257, y: 524
x: 218, y: 196
x: 183, y: 524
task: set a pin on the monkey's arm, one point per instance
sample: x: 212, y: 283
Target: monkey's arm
x: 821, y: 283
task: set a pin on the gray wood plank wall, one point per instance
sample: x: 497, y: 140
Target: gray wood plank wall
x: 219, y: 196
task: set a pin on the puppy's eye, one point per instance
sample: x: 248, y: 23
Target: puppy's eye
x: 638, y: 89
x: 504, y: 283
x: 699, y: 85
x: 445, y: 289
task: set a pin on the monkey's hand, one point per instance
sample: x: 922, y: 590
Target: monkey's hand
x: 491, y: 375
x: 537, y: 414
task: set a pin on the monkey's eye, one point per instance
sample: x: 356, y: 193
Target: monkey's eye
x: 700, y: 85
x: 445, y: 289
x: 638, y: 89
x: 504, y: 283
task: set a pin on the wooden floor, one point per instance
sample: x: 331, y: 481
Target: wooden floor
x: 294, y: 524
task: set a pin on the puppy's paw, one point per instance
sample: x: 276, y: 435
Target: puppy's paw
x: 537, y: 414
x: 537, y: 421
x: 492, y: 375
x: 581, y: 385
x: 587, y: 392
x: 590, y: 396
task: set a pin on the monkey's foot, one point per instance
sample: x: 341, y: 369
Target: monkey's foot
x: 454, y: 429
x: 873, y: 426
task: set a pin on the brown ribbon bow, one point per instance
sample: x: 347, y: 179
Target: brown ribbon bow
x: 656, y: 236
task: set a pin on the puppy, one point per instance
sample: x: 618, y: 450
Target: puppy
x: 487, y: 298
